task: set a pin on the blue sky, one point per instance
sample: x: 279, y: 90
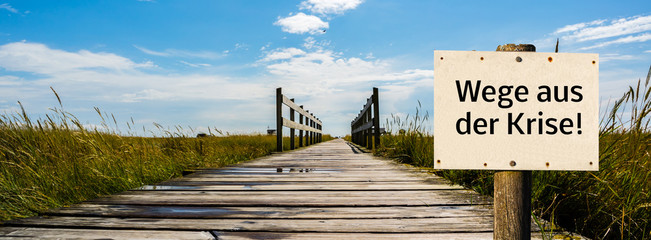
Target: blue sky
x: 199, y: 64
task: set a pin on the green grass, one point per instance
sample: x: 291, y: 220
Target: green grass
x: 55, y: 161
x: 614, y: 203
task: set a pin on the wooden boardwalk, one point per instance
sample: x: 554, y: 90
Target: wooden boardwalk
x: 327, y: 191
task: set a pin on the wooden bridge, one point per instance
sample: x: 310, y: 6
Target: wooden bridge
x: 330, y: 190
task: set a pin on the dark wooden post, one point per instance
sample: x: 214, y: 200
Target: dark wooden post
x: 308, y: 133
x: 279, y: 119
x: 376, y: 117
x: 300, y: 132
x: 512, y: 189
x: 291, y: 130
x: 312, y: 134
x: 369, y: 132
x: 367, y: 119
x: 352, y: 135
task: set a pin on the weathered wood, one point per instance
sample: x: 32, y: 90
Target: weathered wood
x: 351, y: 236
x: 365, y: 128
x: 302, y: 186
x: 311, y: 126
x: 369, y: 102
x: 140, y: 211
x: 512, y: 196
x: 279, y: 119
x: 72, y: 233
x: 376, y: 236
x: 292, y: 198
x: 415, y: 225
x: 376, y: 119
x: 300, y: 131
x: 512, y: 190
x: 292, y: 133
x: 287, y: 101
x: 291, y: 124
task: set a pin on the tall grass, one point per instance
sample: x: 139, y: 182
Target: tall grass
x: 614, y: 203
x: 407, y: 140
x: 55, y: 161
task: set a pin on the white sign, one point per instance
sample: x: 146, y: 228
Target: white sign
x: 516, y: 111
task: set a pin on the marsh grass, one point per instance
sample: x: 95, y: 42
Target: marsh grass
x: 56, y: 161
x: 614, y: 203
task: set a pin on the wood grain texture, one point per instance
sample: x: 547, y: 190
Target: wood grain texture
x: 512, y: 189
x: 63, y: 233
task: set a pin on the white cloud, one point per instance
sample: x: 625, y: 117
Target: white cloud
x: 302, y: 23
x: 599, y: 29
x: 311, y: 43
x: 628, y: 39
x: 109, y: 77
x: 622, y: 37
x: 613, y: 56
x: 8, y: 7
x: 325, y: 68
x: 575, y: 27
x: 196, y: 65
x: 334, y: 87
x: 284, y: 53
x: 38, y: 58
x: 324, y: 7
x: 152, y: 52
x: 182, y: 53
x: 8, y: 81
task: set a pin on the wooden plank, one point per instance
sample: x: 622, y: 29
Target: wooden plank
x: 293, y: 198
x: 307, y: 172
x: 140, y: 211
x: 317, y: 186
x: 295, y: 125
x: 369, y: 101
x: 377, y: 236
x: 300, y: 110
x: 415, y: 225
x: 72, y: 233
x: 364, y: 126
x: 324, y: 178
x: 350, y: 236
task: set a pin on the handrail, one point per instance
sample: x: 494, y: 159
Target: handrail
x: 365, y: 128
x: 307, y: 122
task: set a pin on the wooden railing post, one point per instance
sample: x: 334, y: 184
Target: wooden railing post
x: 291, y: 130
x: 512, y: 190
x: 365, y: 128
x: 279, y: 119
x: 309, y: 133
x: 312, y: 134
x: 369, y: 133
x: 300, y: 132
x: 308, y: 124
x: 376, y: 117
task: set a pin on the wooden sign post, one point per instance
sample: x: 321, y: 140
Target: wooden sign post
x: 512, y: 189
x: 514, y: 111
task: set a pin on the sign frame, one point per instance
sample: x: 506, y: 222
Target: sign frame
x: 530, y: 146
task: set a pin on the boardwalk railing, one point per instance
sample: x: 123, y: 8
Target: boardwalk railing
x: 306, y: 122
x: 367, y: 124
